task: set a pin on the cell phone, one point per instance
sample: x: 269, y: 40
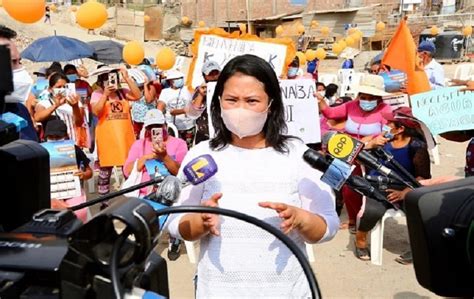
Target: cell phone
x: 113, y: 80
x: 386, y: 129
x: 59, y: 91
x: 157, y: 135
x: 70, y: 89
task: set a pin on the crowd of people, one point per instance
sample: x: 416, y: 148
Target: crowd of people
x: 146, y: 121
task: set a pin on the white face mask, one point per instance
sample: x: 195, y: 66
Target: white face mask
x: 22, y: 83
x: 244, y: 122
x: 322, y: 93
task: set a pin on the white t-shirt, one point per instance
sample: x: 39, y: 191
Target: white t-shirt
x: 177, y: 99
x: 245, y: 261
x: 64, y: 112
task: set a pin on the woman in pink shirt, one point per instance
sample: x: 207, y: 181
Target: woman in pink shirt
x: 364, y: 121
x: 157, y: 151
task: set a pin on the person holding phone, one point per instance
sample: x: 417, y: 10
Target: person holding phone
x: 57, y: 104
x: 156, y: 145
x: 114, y: 131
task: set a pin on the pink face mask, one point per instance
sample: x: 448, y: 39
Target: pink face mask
x: 243, y: 122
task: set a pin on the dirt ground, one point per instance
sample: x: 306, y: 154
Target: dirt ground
x: 339, y: 273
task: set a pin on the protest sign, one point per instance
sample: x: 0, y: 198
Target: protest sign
x: 301, y: 109
x: 221, y: 47
x: 445, y: 110
x: 397, y: 100
x: 63, y: 165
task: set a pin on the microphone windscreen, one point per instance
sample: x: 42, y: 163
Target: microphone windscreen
x: 169, y: 190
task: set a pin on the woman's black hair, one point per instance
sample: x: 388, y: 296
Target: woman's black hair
x: 320, y: 84
x: 411, y: 132
x: 275, y: 126
x: 331, y: 90
x: 56, y: 77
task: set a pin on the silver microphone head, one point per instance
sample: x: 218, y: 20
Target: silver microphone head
x: 169, y: 190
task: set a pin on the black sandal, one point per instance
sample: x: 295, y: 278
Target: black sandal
x: 362, y: 254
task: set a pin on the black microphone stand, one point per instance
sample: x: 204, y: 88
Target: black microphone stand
x: 156, y: 180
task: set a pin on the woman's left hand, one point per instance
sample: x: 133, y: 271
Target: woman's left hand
x: 290, y: 215
x: 73, y: 99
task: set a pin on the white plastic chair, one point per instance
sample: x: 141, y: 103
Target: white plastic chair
x: 376, y: 236
x: 435, y: 153
x: 464, y: 71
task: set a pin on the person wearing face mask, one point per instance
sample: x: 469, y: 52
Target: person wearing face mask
x: 364, y: 121
x: 198, y: 107
x: 434, y: 71
x: 20, y: 102
x: 175, y: 100
x: 251, y: 150
x: 293, y: 69
x: 56, y: 130
x: 57, y: 104
x: 155, y: 145
x: 114, y: 131
x: 408, y: 146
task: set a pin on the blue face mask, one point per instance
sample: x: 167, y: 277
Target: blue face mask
x: 367, y: 105
x: 72, y: 78
x: 178, y: 83
x: 292, y: 72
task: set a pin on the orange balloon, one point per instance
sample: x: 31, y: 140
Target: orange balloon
x: 25, y: 11
x: 320, y: 53
x: 1, y: 4
x: 184, y: 20
x: 467, y: 31
x: 146, y: 19
x: 314, y: 24
x: 325, y: 30
x: 91, y: 15
x: 53, y: 8
x: 301, y: 57
x: 73, y: 8
x: 133, y: 53
x: 434, y: 30
x: 350, y: 41
x: 202, y: 24
x: 343, y: 44
x: 310, y: 55
x: 351, y: 30
x: 243, y: 28
x: 279, y: 30
x: 165, y: 59
x: 300, y: 28
x: 380, y: 26
x: 336, y: 48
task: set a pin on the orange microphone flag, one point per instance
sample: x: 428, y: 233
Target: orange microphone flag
x: 401, y: 54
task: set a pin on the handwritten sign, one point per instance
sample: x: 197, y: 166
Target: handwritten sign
x: 301, y: 109
x: 223, y: 49
x: 397, y: 100
x: 445, y: 110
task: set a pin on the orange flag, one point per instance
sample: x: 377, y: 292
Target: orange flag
x: 401, y: 54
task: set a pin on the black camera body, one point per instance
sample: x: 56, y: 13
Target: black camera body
x: 56, y: 256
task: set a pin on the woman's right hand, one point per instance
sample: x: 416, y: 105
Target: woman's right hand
x: 376, y: 142
x: 211, y: 221
x: 108, y: 90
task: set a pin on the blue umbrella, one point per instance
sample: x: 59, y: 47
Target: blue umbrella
x: 57, y: 48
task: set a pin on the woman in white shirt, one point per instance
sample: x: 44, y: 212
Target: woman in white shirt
x: 57, y: 104
x: 262, y: 174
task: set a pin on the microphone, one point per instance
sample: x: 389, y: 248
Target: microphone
x: 200, y: 169
x: 359, y: 184
x: 347, y: 148
x: 197, y: 171
x: 166, y: 195
x: 388, y: 157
